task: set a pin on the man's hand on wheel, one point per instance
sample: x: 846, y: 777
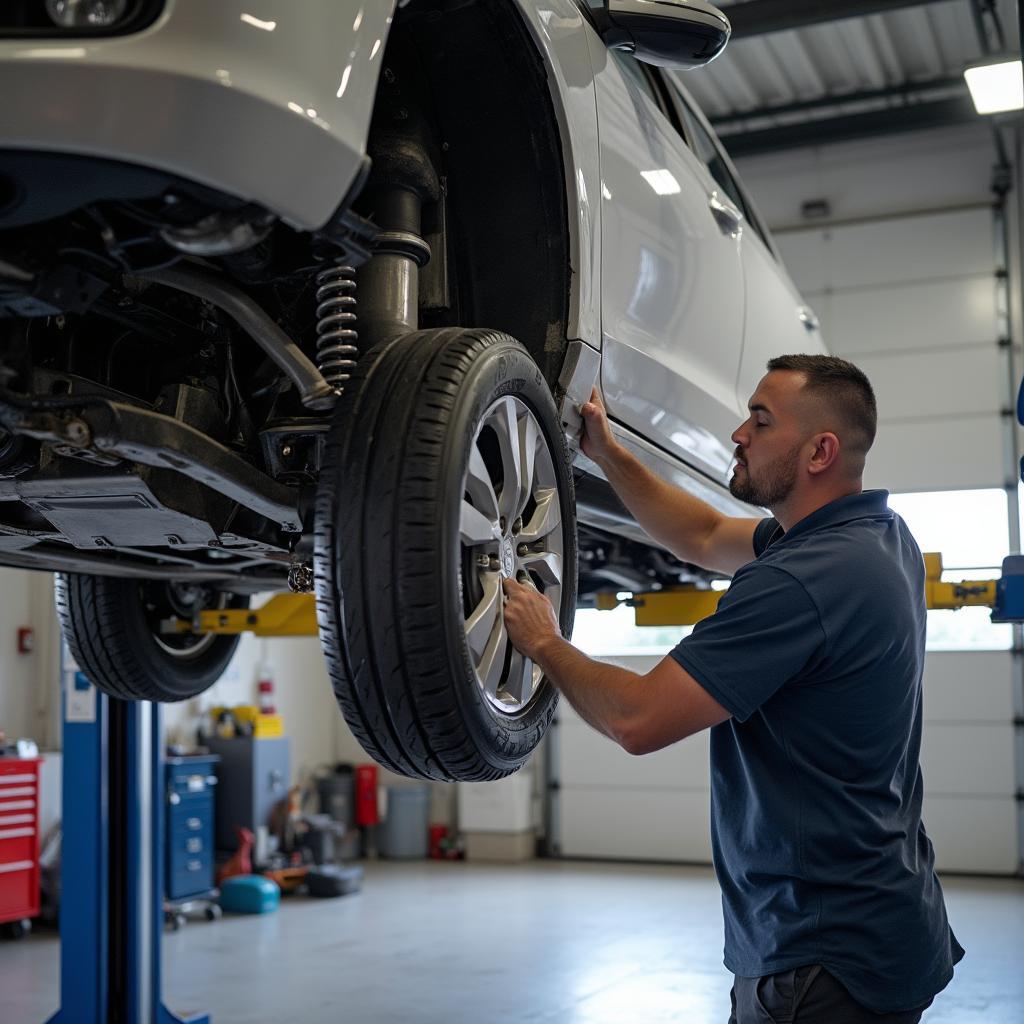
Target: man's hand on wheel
x: 529, y: 618
x: 597, y: 441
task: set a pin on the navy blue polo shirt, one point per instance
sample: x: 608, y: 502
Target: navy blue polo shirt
x: 817, y: 652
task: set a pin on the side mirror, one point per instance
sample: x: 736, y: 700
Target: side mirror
x: 669, y: 33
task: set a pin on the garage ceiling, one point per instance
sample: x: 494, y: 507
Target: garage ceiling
x: 799, y: 73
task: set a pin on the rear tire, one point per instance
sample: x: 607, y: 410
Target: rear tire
x: 112, y: 628
x: 409, y: 560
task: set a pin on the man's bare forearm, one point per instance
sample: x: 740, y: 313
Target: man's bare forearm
x: 673, y: 518
x: 605, y: 696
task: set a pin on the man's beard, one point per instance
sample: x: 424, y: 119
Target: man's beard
x: 774, y: 484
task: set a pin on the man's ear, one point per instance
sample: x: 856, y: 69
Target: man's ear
x: 826, y: 453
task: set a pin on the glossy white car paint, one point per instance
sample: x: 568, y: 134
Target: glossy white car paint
x: 773, y: 324
x: 268, y: 100
x: 672, y: 282
x: 776, y: 320
x: 560, y: 31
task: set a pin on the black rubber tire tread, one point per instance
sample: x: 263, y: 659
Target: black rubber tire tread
x: 395, y: 649
x: 103, y: 623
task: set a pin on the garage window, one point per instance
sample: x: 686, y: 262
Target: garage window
x: 607, y: 634
x: 971, y: 531
x: 969, y: 528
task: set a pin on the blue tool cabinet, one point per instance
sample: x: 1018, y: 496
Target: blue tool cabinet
x: 191, y: 784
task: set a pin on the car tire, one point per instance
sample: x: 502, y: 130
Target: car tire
x: 411, y: 496
x: 111, y: 626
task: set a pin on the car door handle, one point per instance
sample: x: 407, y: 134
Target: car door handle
x: 808, y: 319
x: 729, y: 219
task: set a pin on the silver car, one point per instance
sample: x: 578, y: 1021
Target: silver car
x: 307, y: 295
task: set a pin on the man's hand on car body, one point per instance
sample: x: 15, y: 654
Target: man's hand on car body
x: 597, y: 441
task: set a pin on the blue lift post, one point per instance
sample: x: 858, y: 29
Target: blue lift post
x: 111, y: 914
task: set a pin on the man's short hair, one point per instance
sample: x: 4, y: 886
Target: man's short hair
x: 844, y: 387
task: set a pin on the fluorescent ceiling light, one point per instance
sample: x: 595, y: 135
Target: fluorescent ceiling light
x: 662, y: 181
x: 996, y: 87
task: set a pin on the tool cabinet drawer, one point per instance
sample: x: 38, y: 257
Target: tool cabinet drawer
x: 190, y: 875
x: 19, y: 890
x: 19, y: 838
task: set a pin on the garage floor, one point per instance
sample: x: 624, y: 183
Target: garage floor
x: 547, y: 943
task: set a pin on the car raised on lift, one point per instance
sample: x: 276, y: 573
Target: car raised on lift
x: 308, y: 296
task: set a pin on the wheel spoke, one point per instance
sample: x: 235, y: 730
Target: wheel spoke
x: 529, y: 436
x: 475, y: 528
x: 492, y: 663
x: 480, y: 487
x: 480, y: 626
x: 546, y: 565
x: 506, y: 425
x: 545, y: 519
x: 520, y: 678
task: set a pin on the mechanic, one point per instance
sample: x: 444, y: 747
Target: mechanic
x: 809, y: 677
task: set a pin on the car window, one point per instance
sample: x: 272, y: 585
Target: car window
x: 705, y: 148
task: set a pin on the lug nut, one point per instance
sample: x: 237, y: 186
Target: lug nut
x: 78, y: 433
x: 483, y: 561
x: 523, y: 550
x: 517, y: 526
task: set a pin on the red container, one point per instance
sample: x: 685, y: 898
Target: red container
x: 438, y: 834
x: 366, y: 794
x: 19, y: 838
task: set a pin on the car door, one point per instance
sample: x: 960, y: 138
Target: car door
x: 776, y: 319
x: 672, y: 281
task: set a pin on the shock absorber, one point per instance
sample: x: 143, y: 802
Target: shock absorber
x: 336, y: 336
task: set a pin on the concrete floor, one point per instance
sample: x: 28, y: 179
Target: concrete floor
x: 553, y: 942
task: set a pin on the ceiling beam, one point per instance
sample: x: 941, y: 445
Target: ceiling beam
x: 887, y: 121
x: 757, y: 17
x: 904, y: 93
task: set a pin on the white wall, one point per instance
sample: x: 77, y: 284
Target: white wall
x: 657, y: 807
x: 894, y: 174
x: 29, y: 684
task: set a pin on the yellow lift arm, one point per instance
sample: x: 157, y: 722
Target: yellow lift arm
x: 683, y: 606
x: 295, y: 614
x: 282, y: 615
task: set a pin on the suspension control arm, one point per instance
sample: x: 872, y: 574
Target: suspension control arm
x: 95, y: 425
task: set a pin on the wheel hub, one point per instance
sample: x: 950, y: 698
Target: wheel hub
x: 508, y: 559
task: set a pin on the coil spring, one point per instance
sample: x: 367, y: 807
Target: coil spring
x: 336, y: 336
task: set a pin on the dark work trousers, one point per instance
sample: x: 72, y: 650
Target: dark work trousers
x: 808, y: 995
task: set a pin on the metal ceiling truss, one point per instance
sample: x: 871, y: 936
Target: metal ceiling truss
x: 888, y: 120
x: 909, y: 106
x: 758, y: 17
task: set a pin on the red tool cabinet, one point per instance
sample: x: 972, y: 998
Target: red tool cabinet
x: 19, y: 838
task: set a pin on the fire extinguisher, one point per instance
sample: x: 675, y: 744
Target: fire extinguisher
x: 265, y: 685
x: 366, y: 795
